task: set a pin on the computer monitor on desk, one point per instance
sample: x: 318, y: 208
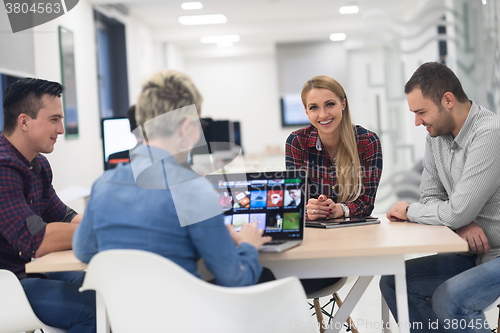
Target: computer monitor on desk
x: 222, y: 138
x: 116, y: 137
x: 220, y: 145
x: 237, y: 135
x: 292, y: 111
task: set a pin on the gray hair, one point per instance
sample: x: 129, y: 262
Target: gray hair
x: 166, y: 91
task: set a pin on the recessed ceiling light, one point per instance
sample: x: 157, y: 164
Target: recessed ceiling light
x: 339, y: 36
x: 202, y: 19
x: 349, y: 9
x: 191, y: 5
x: 220, y: 39
x: 485, y: 2
x: 225, y: 44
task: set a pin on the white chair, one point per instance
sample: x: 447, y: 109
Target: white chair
x: 145, y: 292
x: 320, y: 310
x: 16, y: 314
x: 493, y: 305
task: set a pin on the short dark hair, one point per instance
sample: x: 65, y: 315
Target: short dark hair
x: 25, y: 96
x: 434, y: 79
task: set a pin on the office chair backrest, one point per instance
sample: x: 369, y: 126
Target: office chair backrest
x: 16, y: 314
x: 143, y: 292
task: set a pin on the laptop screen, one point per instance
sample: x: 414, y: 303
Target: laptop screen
x: 273, y: 199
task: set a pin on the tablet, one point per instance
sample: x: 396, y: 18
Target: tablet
x: 343, y: 222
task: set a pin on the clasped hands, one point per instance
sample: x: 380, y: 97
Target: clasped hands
x: 323, y: 208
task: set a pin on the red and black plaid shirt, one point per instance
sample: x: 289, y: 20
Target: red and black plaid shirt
x: 25, y: 190
x: 301, y: 153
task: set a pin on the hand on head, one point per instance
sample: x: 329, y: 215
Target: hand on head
x: 250, y: 234
x: 323, y: 208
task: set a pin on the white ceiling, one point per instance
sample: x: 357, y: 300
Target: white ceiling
x: 269, y: 21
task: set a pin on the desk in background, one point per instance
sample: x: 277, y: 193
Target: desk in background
x: 362, y: 251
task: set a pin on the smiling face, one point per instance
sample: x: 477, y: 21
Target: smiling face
x: 42, y: 131
x: 436, y: 118
x: 324, y: 110
x: 294, y: 194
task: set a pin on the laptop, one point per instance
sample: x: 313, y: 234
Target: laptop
x: 343, y: 222
x: 273, y: 199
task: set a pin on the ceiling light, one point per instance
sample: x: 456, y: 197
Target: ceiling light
x: 191, y: 5
x: 339, y: 36
x: 485, y: 2
x: 349, y: 9
x: 225, y: 44
x: 220, y: 39
x: 202, y: 19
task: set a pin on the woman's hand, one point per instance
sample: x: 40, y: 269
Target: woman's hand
x: 323, y: 208
x: 249, y: 233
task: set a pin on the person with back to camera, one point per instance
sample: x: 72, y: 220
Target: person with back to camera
x: 155, y: 204
x: 343, y: 161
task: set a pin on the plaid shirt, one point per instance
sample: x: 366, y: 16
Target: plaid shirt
x: 25, y: 191
x: 302, y: 153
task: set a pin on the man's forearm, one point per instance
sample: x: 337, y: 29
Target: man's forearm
x: 77, y: 219
x: 58, y: 237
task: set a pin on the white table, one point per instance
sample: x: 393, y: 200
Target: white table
x: 362, y: 251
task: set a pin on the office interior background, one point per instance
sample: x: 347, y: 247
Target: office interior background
x: 282, y: 43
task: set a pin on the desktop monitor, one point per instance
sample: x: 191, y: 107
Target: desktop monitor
x: 292, y: 111
x: 5, y: 81
x: 116, y: 137
x: 221, y: 135
x: 237, y: 135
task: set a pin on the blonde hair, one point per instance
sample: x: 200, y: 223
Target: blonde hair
x: 348, y: 166
x: 166, y: 91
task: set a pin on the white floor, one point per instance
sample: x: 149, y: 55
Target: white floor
x: 367, y: 314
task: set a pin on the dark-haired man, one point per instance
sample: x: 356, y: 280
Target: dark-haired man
x: 33, y: 220
x: 460, y: 189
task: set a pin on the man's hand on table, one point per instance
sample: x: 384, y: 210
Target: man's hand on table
x: 398, y: 212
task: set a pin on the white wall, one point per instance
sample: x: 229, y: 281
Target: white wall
x: 242, y: 89
x: 75, y: 161
x: 299, y: 62
x: 17, y: 55
x: 143, y: 56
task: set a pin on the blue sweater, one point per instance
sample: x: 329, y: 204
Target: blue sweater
x: 165, y: 208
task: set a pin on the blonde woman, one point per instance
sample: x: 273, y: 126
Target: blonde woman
x: 155, y: 204
x: 343, y: 161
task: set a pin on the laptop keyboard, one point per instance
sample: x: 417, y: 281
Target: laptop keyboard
x: 275, y: 242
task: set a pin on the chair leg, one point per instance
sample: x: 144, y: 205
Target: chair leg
x: 498, y: 322
x: 350, y: 323
x: 319, y: 315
